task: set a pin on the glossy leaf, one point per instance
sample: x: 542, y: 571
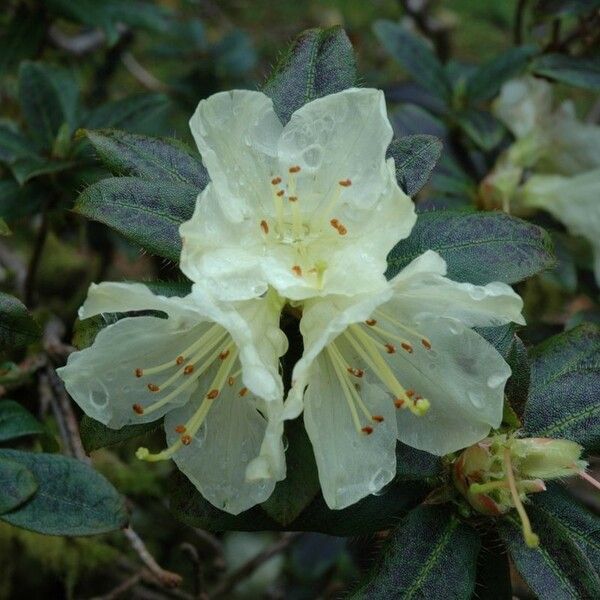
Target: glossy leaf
x: 486, y: 81
x: 16, y: 421
x: 565, y: 378
x: 95, y: 435
x: 478, y: 247
x: 413, y: 53
x: 431, y: 554
x: 580, y: 72
x: 319, y: 62
x: 415, y: 156
x: 148, y: 157
x: 17, y: 327
x: 146, y: 212
x: 29, y: 167
x: 484, y: 130
x: 17, y: 484
x: 413, y: 464
x: 556, y: 569
x: 72, y: 498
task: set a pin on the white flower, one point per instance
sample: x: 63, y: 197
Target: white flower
x: 400, y: 363
x: 574, y: 201
x: 311, y: 209
x: 210, y: 369
x: 553, y: 141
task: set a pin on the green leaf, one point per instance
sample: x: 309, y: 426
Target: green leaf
x: 146, y: 212
x: 72, y: 498
x: 557, y: 568
x: 565, y: 378
x: 4, y: 228
x: 14, y: 145
x: 413, y: 464
x: 580, y: 72
x: 561, y: 510
x: 370, y: 514
x: 49, y: 97
x: 481, y: 127
x: 17, y: 484
x: 487, y: 79
x: 319, y: 62
x: 29, y: 167
x: 22, y: 36
x: 413, y: 53
x: 147, y: 157
x: 17, y: 327
x: 19, y: 201
x: 95, y: 435
x: 493, y: 568
x: 415, y: 156
x: 478, y: 247
x: 301, y: 484
x: 430, y: 555
x: 16, y: 421
x: 133, y: 113
x: 565, y: 8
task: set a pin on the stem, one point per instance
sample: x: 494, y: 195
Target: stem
x: 531, y: 539
x: 588, y: 478
x: 34, y: 262
x: 518, y: 25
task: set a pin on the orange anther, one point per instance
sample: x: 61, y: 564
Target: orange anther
x: 341, y: 229
x: 293, y: 198
x: 264, y: 226
x: 407, y: 347
x: 224, y: 354
x: 276, y: 180
x: 371, y: 322
x: 410, y: 393
x: 188, y: 369
x: 212, y: 394
x: 243, y: 391
x: 297, y: 270
x: 294, y: 169
x: 334, y: 223
x: 398, y: 403
x: 138, y: 372
x: 390, y: 348
x: 345, y: 182
x: 367, y: 430
x: 153, y: 387
x: 356, y: 372
x: 186, y: 440
x: 280, y: 193
x: 138, y: 408
x: 426, y: 343
x: 378, y: 418
x: 179, y: 360
x: 180, y: 429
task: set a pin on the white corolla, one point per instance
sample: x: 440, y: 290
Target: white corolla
x: 211, y: 369
x: 309, y: 209
x: 399, y: 363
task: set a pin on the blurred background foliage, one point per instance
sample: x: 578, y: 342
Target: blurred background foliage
x: 142, y: 66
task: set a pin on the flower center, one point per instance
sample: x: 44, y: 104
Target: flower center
x: 372, y: 342
x: 213, y: 350
x: 290, y: 224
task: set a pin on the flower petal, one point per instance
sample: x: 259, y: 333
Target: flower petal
x: 216, y: 459
x: 462, y: 376
x: 337, y: 137
x: 236, y: 133
x: 102, y: 379
x: 422, y: 291
x: 212, y: 253
x: 351, y: 464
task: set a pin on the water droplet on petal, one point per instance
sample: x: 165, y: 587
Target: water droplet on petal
x: 495, y: 381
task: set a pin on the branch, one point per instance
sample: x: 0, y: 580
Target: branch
x: 243, y: 572
x: 36, y: 256
x: 13, y: 262
x: 518, y: 25
x: 142, y: 75
x: 123, y: 587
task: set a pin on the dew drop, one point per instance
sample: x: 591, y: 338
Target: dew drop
x: 495, y: 381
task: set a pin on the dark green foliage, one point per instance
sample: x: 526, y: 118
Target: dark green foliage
x: 95, y: 435
x: 478, y: 247
x: 580, y: 72
x: 17, y: 484
x: 413, y: 53
x: 484, y: 130
x: 319, y: 62
x: 71, y: 499
x: 415, y: 156
x: 432, y: 554
x: 17, y: 327
x: 16, y: 421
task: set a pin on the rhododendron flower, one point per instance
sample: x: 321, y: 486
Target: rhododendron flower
x: 574, y: 201
x: 311, y: 209
x: 398, y: 363
x: 496, y: 474
x: 210, y: 369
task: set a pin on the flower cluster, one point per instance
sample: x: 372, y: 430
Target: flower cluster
x: 298, y: 217
x: 554, y: 164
